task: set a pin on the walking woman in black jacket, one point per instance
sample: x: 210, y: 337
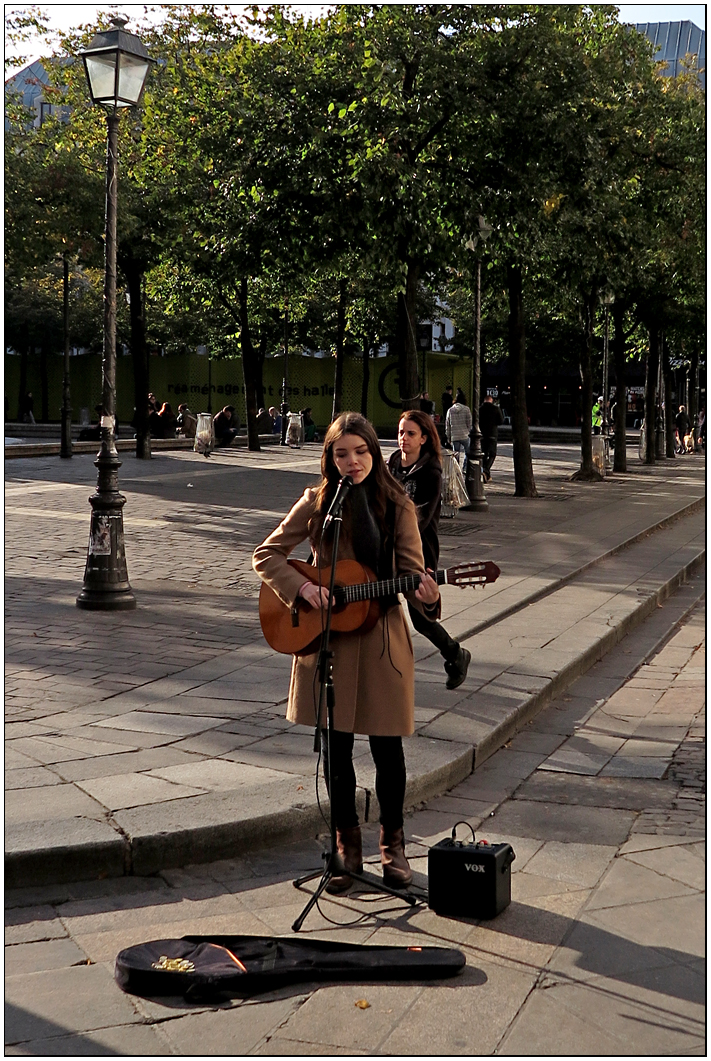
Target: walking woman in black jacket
x: 416, y: 465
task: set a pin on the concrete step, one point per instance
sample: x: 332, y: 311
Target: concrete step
x: 558, y: 434
x: 511, y: 592
x: 21, y: 448
x: 38, y: 431
x: 524, y: 660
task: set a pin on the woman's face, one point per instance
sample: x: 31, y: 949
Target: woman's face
x: 352, y: 457
x: 410, y: 438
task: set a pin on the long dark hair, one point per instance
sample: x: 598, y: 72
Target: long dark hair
x: 380, y: 484
x: 427, y: 426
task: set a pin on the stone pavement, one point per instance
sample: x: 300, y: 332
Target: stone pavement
x: 137, y: 741
x: 601, y: 951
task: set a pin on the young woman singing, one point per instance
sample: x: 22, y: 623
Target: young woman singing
x: 373, y: 672
x: 416, y: 465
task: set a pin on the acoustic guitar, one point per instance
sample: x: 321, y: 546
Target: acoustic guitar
x: 357, y: 593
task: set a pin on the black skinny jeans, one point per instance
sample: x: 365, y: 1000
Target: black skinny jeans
x: 435, y: 633
x: 390, y: 778
x: 488, y: 449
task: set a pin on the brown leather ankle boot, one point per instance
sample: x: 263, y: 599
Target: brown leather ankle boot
x: 350, y: 848
x: 396, y: 869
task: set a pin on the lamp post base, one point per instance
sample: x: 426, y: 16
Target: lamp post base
x: 478, y: 504
x: 284, y: 413
x: 475, y: 487
x: 106, y: 586
x: 106, y: 600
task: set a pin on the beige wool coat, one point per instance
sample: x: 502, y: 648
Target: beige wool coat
x: 373, y: 673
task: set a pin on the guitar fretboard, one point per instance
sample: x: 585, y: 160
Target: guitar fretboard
x: 386, y: 587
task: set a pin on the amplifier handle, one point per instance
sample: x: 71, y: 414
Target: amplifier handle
x: 454, y: 831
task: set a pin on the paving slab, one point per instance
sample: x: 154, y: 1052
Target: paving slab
x: 44, y: 955
x: 588, y: 1021
x: 626, y: 878
x: 637, y: 766
x: 78, y: 1000
x: 558, y: 786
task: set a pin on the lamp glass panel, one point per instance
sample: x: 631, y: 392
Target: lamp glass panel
x: 101, y: 70
x: 132, y: 75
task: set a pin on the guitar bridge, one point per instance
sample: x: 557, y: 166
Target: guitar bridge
x: 294, y: 615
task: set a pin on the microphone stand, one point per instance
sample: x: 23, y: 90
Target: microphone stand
x: 334, y: 864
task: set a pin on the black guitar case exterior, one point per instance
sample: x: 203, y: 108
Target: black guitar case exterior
x: 200, y: 967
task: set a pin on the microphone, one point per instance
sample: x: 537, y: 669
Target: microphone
x: 334, y: 511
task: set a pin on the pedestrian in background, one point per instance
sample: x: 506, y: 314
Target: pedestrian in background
x: 225, y: 426
x: 426, y: 405
x: 490, y: 419
x: 276, y: 417
x: 168, y: 421
x: 447, y: 401
x: 310, y: 434
x: 683, y: 428
x: 458, y: 426
x: 417, y: 466
x: 265, y: 424
x: 187, y: 421
x: 27, y: 415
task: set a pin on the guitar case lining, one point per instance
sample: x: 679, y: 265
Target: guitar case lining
x: 200, y: 967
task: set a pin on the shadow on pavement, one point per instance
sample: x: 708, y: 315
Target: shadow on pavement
x: 22, y: 1026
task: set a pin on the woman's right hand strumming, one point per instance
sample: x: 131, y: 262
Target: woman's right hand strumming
x: 314, y: 595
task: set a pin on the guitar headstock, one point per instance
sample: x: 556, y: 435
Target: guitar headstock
x: 474, y: 573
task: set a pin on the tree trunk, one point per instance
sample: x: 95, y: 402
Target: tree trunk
x: 587, y: 469
x: 44, y: 384
x: 406, y: 342
x: 650, y: 393
x: 659, y: 439
x: 249, y: 368
x: 139, y: 356
x: 669, y: 424
x: 618, y: 353
x: 259, y: 380
x: 24, y: 358
x: 693, y: 403
x: 340, y: 345
x: 365, y: 385
x: 523, y: 464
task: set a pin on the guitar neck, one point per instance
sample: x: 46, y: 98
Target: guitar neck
x: 386, y: 587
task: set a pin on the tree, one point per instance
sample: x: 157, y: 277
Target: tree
x: 50, y: 212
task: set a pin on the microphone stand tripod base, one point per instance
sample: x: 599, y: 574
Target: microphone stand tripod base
x: 335, y: 868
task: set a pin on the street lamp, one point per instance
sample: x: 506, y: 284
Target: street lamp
x: 474, y: 484
x: 65, y: 448
x: 660, y: 448
x: 116, y: 65
x: 608, y: 300
x: 284, y: 400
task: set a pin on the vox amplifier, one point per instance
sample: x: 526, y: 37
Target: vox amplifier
x: 471, y: 879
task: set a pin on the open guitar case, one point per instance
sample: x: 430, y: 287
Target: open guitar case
x: 205, y: 967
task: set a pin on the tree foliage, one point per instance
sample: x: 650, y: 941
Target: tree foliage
x: 337, y: 168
